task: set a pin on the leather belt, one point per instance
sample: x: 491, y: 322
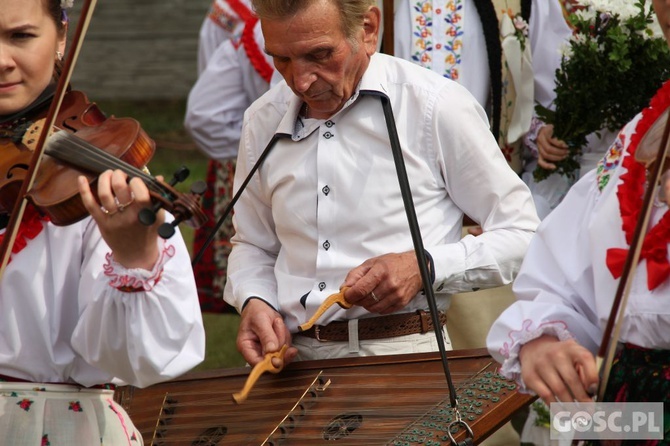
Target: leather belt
x: 376, y: 327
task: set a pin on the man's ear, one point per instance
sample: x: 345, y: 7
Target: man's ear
x: 371, y: 22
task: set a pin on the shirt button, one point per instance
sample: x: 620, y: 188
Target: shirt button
x: 322, y: 286
x: 326, y: 245
x: 325, y: 190
x: 328, y: 135
x: 329, y: 124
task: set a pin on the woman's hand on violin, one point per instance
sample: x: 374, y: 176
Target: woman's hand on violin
x: 550, y: 149
x: 133, y: 244
x: 384, y: 284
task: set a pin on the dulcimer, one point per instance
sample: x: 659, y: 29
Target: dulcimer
x: 382, y: 400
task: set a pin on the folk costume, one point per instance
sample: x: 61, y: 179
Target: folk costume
x: 234, y: 71
x: 504, y: 52
x: 75, y: 322
x: 570, y: 274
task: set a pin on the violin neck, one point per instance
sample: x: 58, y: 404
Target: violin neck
x: 69, y: 148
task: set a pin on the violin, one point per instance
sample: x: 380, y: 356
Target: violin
x: 84, y: 141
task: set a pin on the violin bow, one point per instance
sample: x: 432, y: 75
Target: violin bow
x: 388, y: 22
x: 49, y: 121
x: 605, y: 354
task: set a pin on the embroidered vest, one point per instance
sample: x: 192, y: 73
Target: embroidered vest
x: 494, y: 14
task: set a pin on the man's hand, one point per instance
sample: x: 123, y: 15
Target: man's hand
x: 558, y: 370
x: 550, y: 149
x: 262, y: 330
x: 384, y: 284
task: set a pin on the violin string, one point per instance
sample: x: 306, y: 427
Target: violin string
x: 71, y: 149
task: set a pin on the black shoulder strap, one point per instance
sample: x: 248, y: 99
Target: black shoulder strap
x: 487, y: 15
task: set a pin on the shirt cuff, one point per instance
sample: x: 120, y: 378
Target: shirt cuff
x: 130, y: 280
x: 511, y: 366
x: 447, y: 266
x: 530, y: 139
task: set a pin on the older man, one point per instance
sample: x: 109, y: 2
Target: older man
x: 325, y: 211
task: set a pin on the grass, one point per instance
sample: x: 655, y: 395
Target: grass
x: 162, y: 120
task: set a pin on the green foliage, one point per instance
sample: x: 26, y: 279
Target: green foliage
x: 542, y: 411
x: 612, y: 68
x: 220, y: 349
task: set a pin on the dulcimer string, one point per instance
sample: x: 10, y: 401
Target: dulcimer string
x: 370, y: 397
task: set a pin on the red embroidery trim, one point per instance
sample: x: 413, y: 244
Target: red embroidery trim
x: 630, y: 194
x: 130, y: 284
x: 256, y: 57
x: 30, y: 227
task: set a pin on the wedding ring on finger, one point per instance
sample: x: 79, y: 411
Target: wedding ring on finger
x: 372, y: 293
x: 121, y: 206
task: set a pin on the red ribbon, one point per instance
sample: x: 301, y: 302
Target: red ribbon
x: 630, y: 193
x: 658, y: 268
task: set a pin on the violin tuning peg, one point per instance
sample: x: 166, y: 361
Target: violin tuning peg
x: 166, y: 230
x: 147, y: 216
x: 180, y: 175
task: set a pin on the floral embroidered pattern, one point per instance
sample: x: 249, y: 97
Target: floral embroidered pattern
x: 231, y: 21
x: 129, y: 283
x: 438, y: 36
x: 520, y: 27
x: 25, y: 404
x: 75, y: 406
x: 610, y: 161
x: 45, y: 440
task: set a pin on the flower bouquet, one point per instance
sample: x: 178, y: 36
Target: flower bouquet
x: 612, y: 65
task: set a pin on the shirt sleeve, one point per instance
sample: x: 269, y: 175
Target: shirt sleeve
x: 481, y: 183
x: 251, y: 264
x: 216, y: 104
x: 554, y: 290
x: 140, y: 326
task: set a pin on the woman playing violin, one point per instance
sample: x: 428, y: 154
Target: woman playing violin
x: 569, y: 279
x: 97, y: 302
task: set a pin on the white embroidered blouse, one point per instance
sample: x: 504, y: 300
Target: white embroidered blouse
x: 565, y: 287
x: 67, y: 312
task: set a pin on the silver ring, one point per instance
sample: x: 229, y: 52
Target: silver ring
x: 372, y: 293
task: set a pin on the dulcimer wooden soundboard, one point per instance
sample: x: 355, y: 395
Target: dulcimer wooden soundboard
x: 398, y: 400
